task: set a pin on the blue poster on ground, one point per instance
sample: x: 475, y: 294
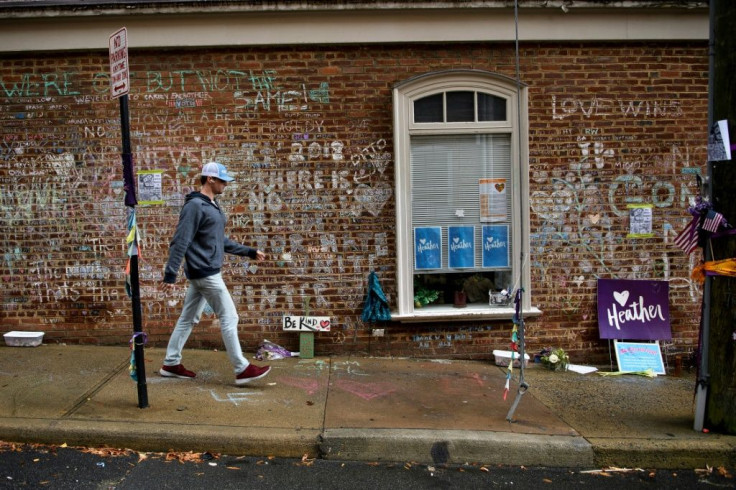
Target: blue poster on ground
x: 495, y: 245
x: 639, y: 356
x: 428, y: 248
x: 461, y: 246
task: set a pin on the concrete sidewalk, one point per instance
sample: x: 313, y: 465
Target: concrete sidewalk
x: 354, y: 408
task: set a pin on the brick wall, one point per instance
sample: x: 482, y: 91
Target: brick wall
x: 308, y: 131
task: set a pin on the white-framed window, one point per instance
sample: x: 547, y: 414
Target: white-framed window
x: 462, y: 187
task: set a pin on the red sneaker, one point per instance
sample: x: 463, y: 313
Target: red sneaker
x: 178, y: 371
x: 251, y: 373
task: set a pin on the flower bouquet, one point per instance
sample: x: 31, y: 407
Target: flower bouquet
x: 555, y: 359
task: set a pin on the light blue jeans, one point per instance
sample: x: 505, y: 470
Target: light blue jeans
x: 210, y: 290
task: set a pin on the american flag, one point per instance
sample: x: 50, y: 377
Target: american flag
x: 712, y: 221
x: 687, y: 239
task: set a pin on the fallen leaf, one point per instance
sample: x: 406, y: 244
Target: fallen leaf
x: 232, y: 467
x: 306, y: 461
x: 547, y: 480
x: 184, y: 457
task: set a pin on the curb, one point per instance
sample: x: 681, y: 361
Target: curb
x: 663, y: 453
x: 456, y: 447
x: 385, y: 445
x: 265, y: 441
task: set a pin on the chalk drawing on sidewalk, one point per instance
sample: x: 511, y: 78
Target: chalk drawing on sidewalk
x: 317, y: 365
x: 478, y: 378
x: 454, y: 385
x: 366, y: 391
x: 310, y: 386
x: 351, y: 367
x: 236, y: 398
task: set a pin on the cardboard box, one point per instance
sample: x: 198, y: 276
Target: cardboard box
x: 23, y: 339
x: 503, y: 357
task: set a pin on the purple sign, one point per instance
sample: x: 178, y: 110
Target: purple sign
x: 634, y: 310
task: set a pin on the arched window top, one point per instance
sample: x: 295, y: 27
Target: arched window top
x: 472, y: 80
x: 460, y: 106
x: 460, y: 99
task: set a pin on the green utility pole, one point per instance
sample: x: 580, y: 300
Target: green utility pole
x: 720, y: 335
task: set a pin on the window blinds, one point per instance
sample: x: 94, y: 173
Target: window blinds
x: 445, y: 174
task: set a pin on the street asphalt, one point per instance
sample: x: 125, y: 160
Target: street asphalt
x: 355, y: 408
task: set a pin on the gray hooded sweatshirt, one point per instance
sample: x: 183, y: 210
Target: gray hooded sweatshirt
x: 200, y: 241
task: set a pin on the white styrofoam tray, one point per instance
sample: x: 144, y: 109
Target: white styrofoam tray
x: 504, y: 356
x: 23, y: 339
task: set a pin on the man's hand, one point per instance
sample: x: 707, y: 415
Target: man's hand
x: 167, y: 288
x: 260, y: 255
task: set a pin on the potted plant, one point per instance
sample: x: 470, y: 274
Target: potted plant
x: 424, y: 296
x: 461, y: 299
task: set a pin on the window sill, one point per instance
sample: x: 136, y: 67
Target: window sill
x: 436, y: 313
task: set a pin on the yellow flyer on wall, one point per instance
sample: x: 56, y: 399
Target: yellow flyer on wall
x: 149, y: 187
x: 492, y: 197
x: 640, y: 221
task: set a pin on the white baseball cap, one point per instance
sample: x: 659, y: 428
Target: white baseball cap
x: 214, y: 169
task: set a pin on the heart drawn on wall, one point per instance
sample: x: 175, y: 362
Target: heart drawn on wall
x: 373, y: 199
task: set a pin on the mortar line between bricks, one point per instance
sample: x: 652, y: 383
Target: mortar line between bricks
x: 92, y: 391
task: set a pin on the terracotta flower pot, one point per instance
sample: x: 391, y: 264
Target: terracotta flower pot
x: 461, y: 299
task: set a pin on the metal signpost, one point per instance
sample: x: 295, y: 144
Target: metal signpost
x: 119, y: 88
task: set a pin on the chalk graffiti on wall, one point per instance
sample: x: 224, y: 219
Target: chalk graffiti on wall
x: 566, y: 107
x: 580, y: 208
x: 296, y: 176
x: 312, y: 185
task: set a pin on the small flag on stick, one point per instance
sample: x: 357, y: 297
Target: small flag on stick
x: 687, y: 239
x: 712, y: 221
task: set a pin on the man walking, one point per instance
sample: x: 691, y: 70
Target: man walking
x: 200, y: 241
